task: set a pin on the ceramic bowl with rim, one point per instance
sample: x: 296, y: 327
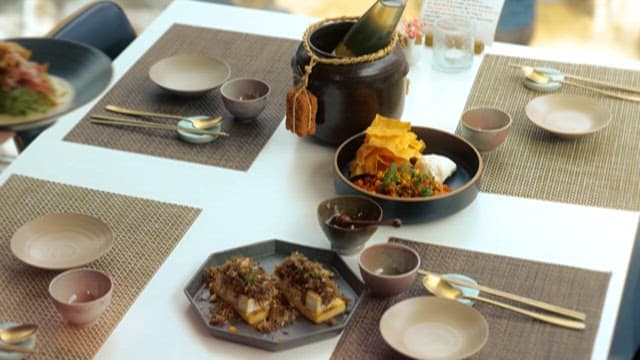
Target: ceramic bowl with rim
x: 454, y: 331
x: 567, y: 115
x: 81, y: 295
x: 189, y: 74
x: 485, y: 128
x: 388, y: 269
x: 61, y: 241
x: 464, y: 182
x: 245, y: 98
x: 197, y: 138
x: 348, y: 240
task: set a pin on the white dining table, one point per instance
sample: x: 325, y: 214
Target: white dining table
x: 277, y: 198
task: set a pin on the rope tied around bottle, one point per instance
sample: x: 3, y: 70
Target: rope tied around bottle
x: 302, y: 105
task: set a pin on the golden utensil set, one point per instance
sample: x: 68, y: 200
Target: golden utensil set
x: 200, y: 126
x: 432, y: 280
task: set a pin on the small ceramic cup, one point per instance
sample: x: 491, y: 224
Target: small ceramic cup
x: 485, y: 128
x: 245, y: 98
x: 388, y: 269
x: 81, y: 295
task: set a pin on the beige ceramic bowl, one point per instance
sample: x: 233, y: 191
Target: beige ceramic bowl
x: 428, y: 327
x: 485, y: 128
x: 189, y: 74
x: 245, y: 98
x: 81, y: 295
x: 348, y: 240
x: 61, y: 241
x: 389, y: 268
x: 567, y: 115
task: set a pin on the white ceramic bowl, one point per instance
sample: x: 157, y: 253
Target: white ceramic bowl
x: 567, y: 115
x: 427, y: 327
x: 81, y: 295
x: 189, y: 74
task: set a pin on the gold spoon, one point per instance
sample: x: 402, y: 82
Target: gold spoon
x: 442, y: 288
x: 540, y: 78
x: 17, y: 334
x: 197, y: 123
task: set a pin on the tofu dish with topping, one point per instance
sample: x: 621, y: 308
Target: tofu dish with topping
x: 310, y: 288
x: 27, y: 91
x: 242, y: 288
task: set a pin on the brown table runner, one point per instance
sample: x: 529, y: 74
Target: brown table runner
x: 600, y: 169
x: 143, y: 229
x: 248, y: 55
x: 510, y: 335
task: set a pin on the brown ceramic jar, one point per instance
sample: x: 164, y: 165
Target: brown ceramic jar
x: 349, y: 96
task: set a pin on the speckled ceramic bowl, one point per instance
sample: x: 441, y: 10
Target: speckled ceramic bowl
x: 389, y: 269
x: 245, y: 98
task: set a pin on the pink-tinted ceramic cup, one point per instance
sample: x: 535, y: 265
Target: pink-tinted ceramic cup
x: 81, y: 295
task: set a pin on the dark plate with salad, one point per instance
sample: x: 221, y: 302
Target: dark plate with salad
x: 43, y: 78
x: 462, y: 185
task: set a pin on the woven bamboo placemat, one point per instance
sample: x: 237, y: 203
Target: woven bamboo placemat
x: 145, y: 232
x: 510, y: 334
x: 248, y: 56
x: 600, y: 169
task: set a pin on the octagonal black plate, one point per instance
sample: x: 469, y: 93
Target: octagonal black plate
x: 268, y: 254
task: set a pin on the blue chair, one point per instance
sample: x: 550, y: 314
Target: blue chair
x: 101, y: 24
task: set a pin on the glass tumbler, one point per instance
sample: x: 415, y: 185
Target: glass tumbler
x: 453, y: 39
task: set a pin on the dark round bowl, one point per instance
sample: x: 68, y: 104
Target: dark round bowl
x: 464, y: 183
x: 87, y: 69
x: 351, y: 239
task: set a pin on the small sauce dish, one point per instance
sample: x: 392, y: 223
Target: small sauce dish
x: 193, y: 137
x: 554, y: 75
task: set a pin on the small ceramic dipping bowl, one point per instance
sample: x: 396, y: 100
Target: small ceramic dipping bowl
x: 245, y: 98
x: 197, y: 138
x: 485, y: 128
x: 388, y: 269
x: 348, y: 240
x: 189, y: 74
x: 81, y: 295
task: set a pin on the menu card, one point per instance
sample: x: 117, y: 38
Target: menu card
x: 485, y: 13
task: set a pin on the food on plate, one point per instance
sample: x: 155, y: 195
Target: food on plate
x: 26, y: 89
x: 248, y: 291
x: 310, y: 288
x: 390, y: 162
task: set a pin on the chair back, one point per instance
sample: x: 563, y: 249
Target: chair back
x: 101, y: 24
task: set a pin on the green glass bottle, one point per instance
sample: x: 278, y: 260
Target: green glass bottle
x: 374, y: 30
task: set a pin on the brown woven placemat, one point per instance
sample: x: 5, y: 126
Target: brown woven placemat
x: 510, y: 334
x: 248, y: 56
x: 145, y: 232
x: 600, y: 169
